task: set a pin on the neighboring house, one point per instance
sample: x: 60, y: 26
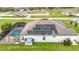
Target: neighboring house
x: 70, y: 12
x: 20, y: 12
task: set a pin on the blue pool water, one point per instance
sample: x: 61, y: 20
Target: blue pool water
x: 16, y: 32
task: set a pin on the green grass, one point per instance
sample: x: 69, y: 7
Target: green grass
x: 10, y: 17
x: 58, y: 13
x: 38, y: 47
x: 36, y: 12
x: 50, y: 16
x: 67, y: 23
x: 40, y: 16
x: 13, y: 21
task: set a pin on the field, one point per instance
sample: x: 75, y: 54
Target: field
x: 58, y: 13
x: 67, y: 23
x: 55, y: 13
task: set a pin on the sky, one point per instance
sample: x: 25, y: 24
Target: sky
x: 39, y: 3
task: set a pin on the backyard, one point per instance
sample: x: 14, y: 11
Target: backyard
x: 44, y: 46
x: 67, y: 24
x: 12, y: 21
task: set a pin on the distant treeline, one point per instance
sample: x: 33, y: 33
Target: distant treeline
x: 6, y: 9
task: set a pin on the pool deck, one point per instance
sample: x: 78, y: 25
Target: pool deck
x: 8, y: 39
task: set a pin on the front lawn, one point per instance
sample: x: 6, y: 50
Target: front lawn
x: 39, y: 47
x: 13, y: 21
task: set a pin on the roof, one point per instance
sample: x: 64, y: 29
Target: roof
x: 61, y: 29
x: 21, y: 12
x: 19, y: 24
x: 71, y: 11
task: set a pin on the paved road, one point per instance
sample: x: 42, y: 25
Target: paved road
x: 73, y: 19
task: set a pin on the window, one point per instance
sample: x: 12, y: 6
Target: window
x: 25, y: 39
x: 22, y: 38
x: 43, y: 37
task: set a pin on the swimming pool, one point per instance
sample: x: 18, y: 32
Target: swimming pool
x: 15, y: 32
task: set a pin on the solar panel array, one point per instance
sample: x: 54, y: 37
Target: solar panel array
x: 40, y: 32
x: 43, y: 29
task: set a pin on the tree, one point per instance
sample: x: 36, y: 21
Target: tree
x: 70, y: 22
x: 76, y: 24
x: 5, y: 26
x: 50, y: 8
x: 1, y: 9
x: 9, y: 9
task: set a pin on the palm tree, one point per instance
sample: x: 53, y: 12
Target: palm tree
x: 71, y: 22
x: 76, y: 23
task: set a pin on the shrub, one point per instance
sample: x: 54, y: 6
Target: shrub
x: 71, y: 22
x: 67, y: 42
x: 5, y: 26
x: 76, y: 24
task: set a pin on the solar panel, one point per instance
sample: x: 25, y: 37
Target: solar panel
x: 43, y: 29
x: 40, y: 32
x: 44, y: 24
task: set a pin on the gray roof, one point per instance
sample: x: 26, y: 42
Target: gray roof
x: 60, y: 30
x: 71, y: 11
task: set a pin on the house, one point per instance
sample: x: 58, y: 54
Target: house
x: 20, y: 12
x: 70, y: 12
x: 47, y: 31
x: 41, y: 30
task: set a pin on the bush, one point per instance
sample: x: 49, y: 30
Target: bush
x: 5, y: 26
x: 76, y: 24
x: 71, y: 22
x: 67, y: 42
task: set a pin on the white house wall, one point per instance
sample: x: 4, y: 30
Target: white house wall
x: 50, y: 38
